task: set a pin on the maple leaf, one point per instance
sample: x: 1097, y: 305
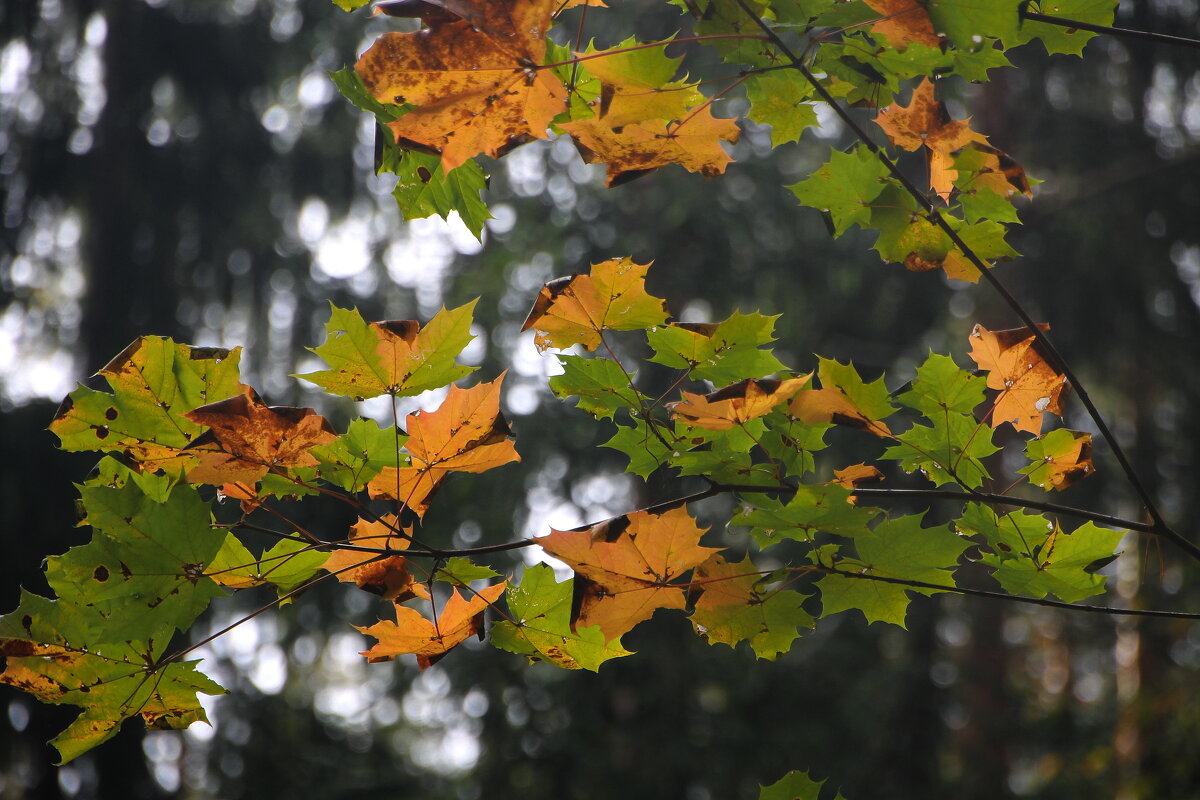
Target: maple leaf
x: 246, y: 439
x: 540, y: 627
x: 1028, y: 385
x: 631, y: 150
x: 430, y: 641
x: 474, y: 81
x: 386, y: 576
x: 852, y: 476
x: 924, y: 122
x: 466, y: 433
x: 154, y: 381
x: 1059, y: 459
x: 1065, y: 564
x: 286, y: 564
x: 732, y: 606
x: 735, y: 404
x: 398, y: 357
x: 845, y: 399
x: 625, y: 566
x: 904, y: 22
x: 579, y: 308
x: 719, y: 352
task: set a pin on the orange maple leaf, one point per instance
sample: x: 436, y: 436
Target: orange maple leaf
x: 579, y: 308
x: 246, y: 439
x: 475, y: 80
x: 737, y: 403
x: 853, y: 475
x: 904, y: 22
x: 387, y: 577
x: 430, y: 641
x: 1028, y: 385
x: 630, y: 150
x: 1066, y: 458
x: 625, y: 566
x: 999, y: 172
x: 924, y: 122
x: 466, y: 433
x: 832, y: 405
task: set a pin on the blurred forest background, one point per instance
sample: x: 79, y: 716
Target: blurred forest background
x: 186, y: 168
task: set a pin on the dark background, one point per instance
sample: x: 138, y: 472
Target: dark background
x: 186, y: 169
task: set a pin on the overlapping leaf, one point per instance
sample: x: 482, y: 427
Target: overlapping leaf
x: 247, y: 438
x: 385, y: 575
x: 731, y: 605
x: 472, y: 76
x: 626, y: 568
x: 154, y: 383
x: 399, y: 358
x: 466, y: 433
x: 578, y: 309
x: 413, y: 634
x: 540, y: 626
x: 1059, y: 459
x: 735, y: 404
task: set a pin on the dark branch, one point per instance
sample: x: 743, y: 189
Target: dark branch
x: 1124, y: 33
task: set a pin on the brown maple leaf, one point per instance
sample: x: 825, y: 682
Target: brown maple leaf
x: 1027, y: 385
x: 466, y: 433
x: 625, y: 566
x: 388, y: 576
x: 925, y: 123
x: 737, y: 403
x: 246, y: 439
x: 430, y: 641
x: 634, y: 149
x: 904, y: 22
x: 474, y: 79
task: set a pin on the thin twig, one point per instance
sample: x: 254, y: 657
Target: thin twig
x: 1124, y: 33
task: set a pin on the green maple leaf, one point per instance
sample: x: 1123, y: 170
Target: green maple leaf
x: 64, y: 652
x: 782, y: 100
x: 791, y: 443
x: 969, y: 23
x: 154, y: 383
x: 463, y: 570
x: 600, y: 384
x: 813, y: 508
x: 646, y: 451
x: 423, y: 189
x: 731, y: 606
x: 941, y: 386
x: 951, y: 451
x: 1060, y: 39
x: 1012, y: 535
x: 540, y: 625
x: 897, y: 548
x: 1063, y: 566
x: 367, y: 360
x: 723, y: 353
x: 357, y: 456
x: 983, y: 203
x: 795, y: 785
x: 845, y: 187
x: 873, y: 398
x: 145, y: 563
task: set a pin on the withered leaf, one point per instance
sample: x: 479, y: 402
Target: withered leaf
x: 386, y: 576
x: 247, y: 438
x: 737, y: 403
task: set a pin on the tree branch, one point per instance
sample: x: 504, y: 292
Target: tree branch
x: 1124, y: 33
x: 985, y: 272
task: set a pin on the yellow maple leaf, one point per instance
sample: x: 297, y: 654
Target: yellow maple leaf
x: 1027, y: 385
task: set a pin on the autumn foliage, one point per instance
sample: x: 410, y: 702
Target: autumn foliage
x: 468, y: 78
